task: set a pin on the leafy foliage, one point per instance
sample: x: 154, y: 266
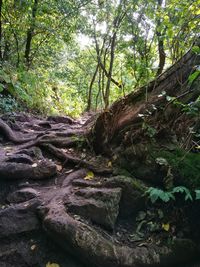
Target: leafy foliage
x: 48, y: 50
x: 156, y: 194
x: 8, y: 104
x: 183, y: 190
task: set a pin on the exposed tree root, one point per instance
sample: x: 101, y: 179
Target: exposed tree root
x: 38, y: 170
x: 10, y: 135
x: 67, y: 158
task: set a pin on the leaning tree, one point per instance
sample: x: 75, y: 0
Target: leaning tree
x: 162, y: 115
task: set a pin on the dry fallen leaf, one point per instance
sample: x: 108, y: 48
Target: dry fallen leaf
x: 59, y: 167
x: 166, y: 226
x: 89, y: 176
x: 52, y: 265
x: 110, y: 164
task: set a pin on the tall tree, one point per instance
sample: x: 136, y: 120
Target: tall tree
x: 30, y: 32
x: 1, y: 3
x: 160, y: 37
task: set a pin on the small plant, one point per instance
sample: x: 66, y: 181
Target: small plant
x: 183, y: 190
x: 155, y: 194
x: 197, y: 191
x: 150, y: 131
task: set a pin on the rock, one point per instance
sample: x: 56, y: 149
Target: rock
x: 100, y: 205
x: 133, y: 190
x: 19, y: 218
x: 22, y: 195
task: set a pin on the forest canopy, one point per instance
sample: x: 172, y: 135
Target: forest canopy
x: 62, y: 56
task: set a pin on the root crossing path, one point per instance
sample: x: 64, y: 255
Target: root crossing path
x: 58, y: 199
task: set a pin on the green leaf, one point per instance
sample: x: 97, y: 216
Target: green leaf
x: 196, y: 49
x: 1, y: 87
x: 162, y: 161
x: 188, y: 197
x: 153, y: 198
x: 155, y: 194
x: 179, y: 189
x: 166, y: 226
x: 197, y: 191
x: 193, y: 76
x: 164, y: 197
x: 6, y: 78
x: 170, y: 98
x: 183, y: 189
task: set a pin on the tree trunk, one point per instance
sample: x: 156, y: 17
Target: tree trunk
x: 30, y: 34
x: 102, y: 65
x: 124, y: 122
x: 89, y: 102
x: 1, y: 3
x: 112, y: 56
x: 161, y: 50
x: 162, y: 54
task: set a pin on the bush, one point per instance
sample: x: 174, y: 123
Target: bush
x: 8, y: 104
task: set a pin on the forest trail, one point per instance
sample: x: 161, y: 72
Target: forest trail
x: 52, y: 183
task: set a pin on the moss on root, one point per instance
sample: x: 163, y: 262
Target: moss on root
x: 185, y: 165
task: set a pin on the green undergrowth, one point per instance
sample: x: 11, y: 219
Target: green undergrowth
x: 185, y: 164
x: 37, y: 91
